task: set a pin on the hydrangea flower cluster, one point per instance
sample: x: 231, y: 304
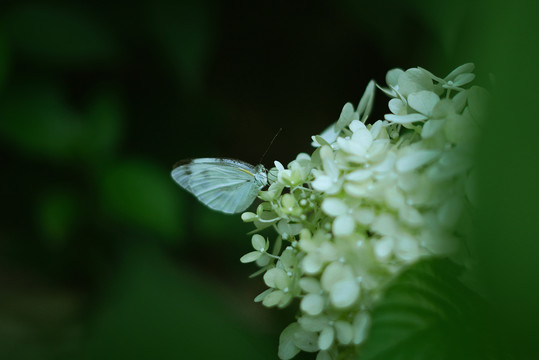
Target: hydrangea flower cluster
x: 371, y: 199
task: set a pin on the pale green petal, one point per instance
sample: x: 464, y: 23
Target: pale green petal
x: 273, y: 298
x: 463, y: 79
x: 362, y: 323
x: 359, y: 175
x: 392, y: 76
x: 363, y: 137
x: 313, y: 323
x: 327, y: 137
x: 352, y: 147
x: 322, y: 183
x: 325, y: 340
x: 312, y: 304
x: 344, y: 293
x: 347, y: 115
x: 287, y: 348
x: 465, y: 68
x: 411, y: 216
x: 406, y: 248
x: 416, y: 159
x: 259, y: 243
x: 248, y: 217
x: 423, y: 101
x: 377, y: 150
x: 405, y: 119
x: 343, y: 225
x: 250, y: 257
x: 394, y: 197
x: 276, y: 278
x: 459, y: 100
x: 262, y: 295
x: 310, y: 285
x: 431, y: 128
x: 357, y: 125
x: 397, y: 106
x: 288, y: 258
x: 306, y: 340
x: 414, y: 80
x: 334, y: 206
x: 345, y: 332
x: 365, y: 104
x: 334, y: 273
x: 385, y: 224
x: 383, y: 248
x: 285, y: 300
x: 289, y: 228
x: 312, y: 263
x: 364, y: 216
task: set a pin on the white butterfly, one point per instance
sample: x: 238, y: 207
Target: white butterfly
x: 225, y: 185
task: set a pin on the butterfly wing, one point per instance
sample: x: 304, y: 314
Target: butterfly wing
x: 221, y: 184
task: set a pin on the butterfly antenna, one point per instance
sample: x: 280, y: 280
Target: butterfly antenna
x: 271, y: 142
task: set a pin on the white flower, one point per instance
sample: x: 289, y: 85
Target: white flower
x: 327, y: 181
x: 371, y: 199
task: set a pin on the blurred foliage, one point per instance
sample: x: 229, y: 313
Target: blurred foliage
x: 101, y: 254
x: 59, y: 34
x: 428, y: 313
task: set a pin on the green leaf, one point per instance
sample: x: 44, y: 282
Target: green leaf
x: 4, y: 58
x: 427, y: 313
x: 141, y: 195
x: 57, y: 215
x: 184, y: 31
x: 215, y: 226
x: 57, y: 33
x: 37, y: 121
x: 102, y: 127
x: 153, y: 310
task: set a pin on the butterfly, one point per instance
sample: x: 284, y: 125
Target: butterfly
x: 225, y: 185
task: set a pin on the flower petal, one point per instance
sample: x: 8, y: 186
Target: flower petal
x: 345, y: 332
x: 250, y: 257
x: 423, y: 101
x: 405, y: 119
x: 362, y: 323
x: 334, y: 207
x: 312, y: 304
x: 344, y: 293
x: 325, y: 340
x: 287, y: 348
x: 416, y: 159
x: 343, y: 225
x: 258, y: 242
x: 397, y: 106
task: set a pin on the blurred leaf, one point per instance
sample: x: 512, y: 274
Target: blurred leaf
x: 57, y: 216
x: 103, y: 126
x: 212, y: 225
x: 37, y: 323
x: 141, y: 194
x: 4, y: 58
x: 37, y: 121
x: 52, y: 32
x: 185, y: 32
x: 154, y: 311
x: 427, y: 313
x: 508, y: 241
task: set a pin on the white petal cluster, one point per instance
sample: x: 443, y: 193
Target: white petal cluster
x: 372, y: 198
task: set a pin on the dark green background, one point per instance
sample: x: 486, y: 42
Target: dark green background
x: 103, y: 256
